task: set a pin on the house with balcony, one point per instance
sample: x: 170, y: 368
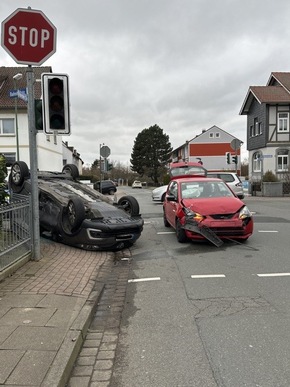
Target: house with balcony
x: 52, y: 152
x: 214, y: 148
x: 268, y: 131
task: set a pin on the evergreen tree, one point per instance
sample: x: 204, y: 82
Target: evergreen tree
x: 151, y: 152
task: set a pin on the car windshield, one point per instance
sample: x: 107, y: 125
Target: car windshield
x: 191, y: 190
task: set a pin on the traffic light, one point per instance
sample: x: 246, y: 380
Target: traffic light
x: 38, y: 114
x: 109, y: 166
x: 55, y: 95
x: 228, y: 157
x: 235, y: 159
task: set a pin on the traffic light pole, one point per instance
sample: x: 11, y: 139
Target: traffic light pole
x: 35, y: 240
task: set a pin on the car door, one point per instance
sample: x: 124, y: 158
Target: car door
x: 172, y: 205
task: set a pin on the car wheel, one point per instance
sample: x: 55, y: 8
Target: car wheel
x: 163, y: 197
x: 111, y: 192
x: 71, y: 170
x: 19, y: 172
x: 129, y: 205
x: 165, y: 221
x: 180, y: 233
x: 73, y: 215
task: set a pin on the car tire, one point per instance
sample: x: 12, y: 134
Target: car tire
x: 180, y: 232
x: 112, y: 192
x: 71, y: 170
x: 73, y: 215
x: 166, y: 223
x: 163, y: 197
x: 129, y: 205
x: 19, y: 172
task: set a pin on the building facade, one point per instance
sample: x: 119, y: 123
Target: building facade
x: 211, y: 148
x: 268, y: 131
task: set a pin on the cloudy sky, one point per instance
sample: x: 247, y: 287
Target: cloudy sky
x: 184, y: 65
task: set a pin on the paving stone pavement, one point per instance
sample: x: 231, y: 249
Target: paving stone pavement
x: 94, y: 365
x: 46, y: 308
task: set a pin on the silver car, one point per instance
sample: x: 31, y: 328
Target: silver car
x: 158, y: 194
x: 233, y: 181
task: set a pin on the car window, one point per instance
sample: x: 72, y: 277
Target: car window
x: 227, y: 177
x: 173, y: 189
x: 190, y: 190
x: 214, y: 189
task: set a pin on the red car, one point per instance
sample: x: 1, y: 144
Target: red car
x: 200, y: 208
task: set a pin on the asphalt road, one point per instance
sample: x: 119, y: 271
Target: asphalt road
x: 206, y: 316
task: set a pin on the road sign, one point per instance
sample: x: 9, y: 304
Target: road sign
x: 236, y: 144
x: 28, y: 36
x: 19, y: 93
x: 105, y: 151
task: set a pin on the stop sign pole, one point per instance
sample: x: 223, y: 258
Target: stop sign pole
x: 30, y: 38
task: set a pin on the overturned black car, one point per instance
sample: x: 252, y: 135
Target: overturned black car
x: 76, y: 214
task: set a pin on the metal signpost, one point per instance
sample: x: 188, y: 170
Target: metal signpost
x: 105, y: 152
x: 30, y: 38
x: 235, y: 145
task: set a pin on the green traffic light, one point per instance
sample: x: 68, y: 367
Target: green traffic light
x: 38, y: 114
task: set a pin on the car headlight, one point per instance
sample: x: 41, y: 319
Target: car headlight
x: 194, y: 215
x: 245, y: 213
x: 198, y: 217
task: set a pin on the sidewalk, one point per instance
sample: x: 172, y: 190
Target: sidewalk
x: 45, y: 310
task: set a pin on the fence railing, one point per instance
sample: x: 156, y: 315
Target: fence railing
x: 15, y: 230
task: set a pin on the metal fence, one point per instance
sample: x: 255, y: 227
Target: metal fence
x: 15, y: 230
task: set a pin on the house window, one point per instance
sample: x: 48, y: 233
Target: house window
x: 256, y: 127
x: 211, y: 135
x: 282, y: 160
x: 283, y: 122
x: 257, y: 162
x: 259, y: 128
x: 251, y: 131
x: 7, y: 126
x: 217, y: 135
x: 10, y: 158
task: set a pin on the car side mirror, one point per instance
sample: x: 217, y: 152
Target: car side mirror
x: 170, y: 198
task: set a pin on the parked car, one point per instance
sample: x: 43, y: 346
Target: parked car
x: 200, y: 208
x: 107, y: 187
x: 158, y: 194
x: 76, y: 214
x: 178, y: 169
x: 233, y: 181
x: 136, y: 184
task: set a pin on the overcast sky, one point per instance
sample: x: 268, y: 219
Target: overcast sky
x: 184, y: 65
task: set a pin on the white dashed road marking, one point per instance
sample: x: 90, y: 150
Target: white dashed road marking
x: 144, y: 279
x: 267, y: 231
x: 208, y: 276
x: 165, y: 232
x: 274, y: 275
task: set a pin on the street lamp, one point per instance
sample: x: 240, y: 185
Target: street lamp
x: 16, y: 78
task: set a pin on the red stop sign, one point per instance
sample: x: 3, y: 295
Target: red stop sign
x: 28, y: 36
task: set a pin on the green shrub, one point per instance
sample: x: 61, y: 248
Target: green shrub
x: 269, y: 177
